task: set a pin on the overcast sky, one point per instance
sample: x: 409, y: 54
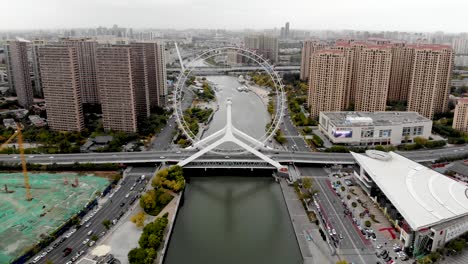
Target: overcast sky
x: 400, y: 15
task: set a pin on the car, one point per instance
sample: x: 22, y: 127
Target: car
x: 379, y: 246
x: 102, y: 233
x: 49, y: 249
x: 341, y: 236
x: 162, y: 157
x: 178, y: 152
x: 90, y: 232
x: 226, y: 157
x: 36, y: 259
x: 69, y: 262
x: 122, y: 204
x: 31, y: 156
x: 92, y: 243
x: 127, y: 195
x: 88, y: 225
x: 67, y: 251
x: 334, y: 231
x: 51, y: 157
x: 74, y: 258
x: 85, y: 241
x: 131, y: 188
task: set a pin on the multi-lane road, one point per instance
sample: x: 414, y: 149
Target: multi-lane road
x: 109, y: 210
x: 176, y: 156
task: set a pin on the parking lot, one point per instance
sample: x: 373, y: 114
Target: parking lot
x: 345, y: 209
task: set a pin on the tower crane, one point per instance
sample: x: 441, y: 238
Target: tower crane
x: 19, y: 136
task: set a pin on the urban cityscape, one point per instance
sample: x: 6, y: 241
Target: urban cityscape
x: 233, y: 132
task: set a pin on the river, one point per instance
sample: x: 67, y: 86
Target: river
x: 229, y: 219
x: 233, y: 220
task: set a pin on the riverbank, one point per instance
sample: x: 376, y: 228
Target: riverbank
x: 313, y: 250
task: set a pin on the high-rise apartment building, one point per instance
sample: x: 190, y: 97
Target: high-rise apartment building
x: 264, y: 45
x: 61, y: 85
x: 18, y: 72
x: 86, y: 51
x: 35, y: 45
x: 349, y: 52
x: 429, y: 86
x: 400, y: 74
x: 157, y: 82
x: 308, y: 48
x: 327, y: 82
x: 373, y: 75
x: 116, y: 84
x: 460, y: 119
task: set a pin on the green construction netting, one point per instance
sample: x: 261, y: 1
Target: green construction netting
x: 21, y: 223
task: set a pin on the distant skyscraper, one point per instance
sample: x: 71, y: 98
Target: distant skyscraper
x: 400, y: 75
x: 35, y: 45
x: 265, y: 45
x: 373, y: 75
x: 327, y: 82
x: 460, y: 119
x: 61, y: 86
x: 309, y: 47
x: 116, y: 84
x: 86, y: 50
x: 286, y: 30
x: 429, y: 87
x: 18, y: 72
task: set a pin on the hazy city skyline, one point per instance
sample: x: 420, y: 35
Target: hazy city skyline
x: 398, y: 15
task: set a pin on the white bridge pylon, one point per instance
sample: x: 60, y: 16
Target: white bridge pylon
x: 226, y: 134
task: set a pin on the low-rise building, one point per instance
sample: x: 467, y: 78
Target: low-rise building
x: 37, y: 120
x: 374, y: 128
x: 93, y: 144
x: 428, y: 208
x: 9, y: 123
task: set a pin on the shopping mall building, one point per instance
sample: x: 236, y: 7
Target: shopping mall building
x: 428, y: 208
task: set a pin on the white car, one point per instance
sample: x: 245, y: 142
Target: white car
x: 88, y: 225
x: 86, y: 241
x: 91, y: 243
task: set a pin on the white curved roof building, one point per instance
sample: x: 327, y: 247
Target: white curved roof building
x: 423, y: 202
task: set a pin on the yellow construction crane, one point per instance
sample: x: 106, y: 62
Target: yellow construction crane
x: 19, y: 136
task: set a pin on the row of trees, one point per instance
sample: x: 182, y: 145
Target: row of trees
x: 150, y: 240
x: 261, y: 79
x: 195, y: 115
x: 172, y: 179
x: 155, y: 200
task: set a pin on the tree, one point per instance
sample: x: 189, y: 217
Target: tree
x: 307, y: 183
x: 367, y: 223
x: 49, y: 262
x: 420, y: 141
x: 106, y: 223
x: 139, y: 219
x: 342, y: 262
x: 354, y: 204
x: 137, y: 256
x: 94, y: 238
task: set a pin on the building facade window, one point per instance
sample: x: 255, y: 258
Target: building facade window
x: 385, y: 133
x: 418, y: 130
x: 367, y: 133
x: 406, y: 131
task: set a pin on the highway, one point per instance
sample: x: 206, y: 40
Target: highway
x: 176, y: 156
x: 111, y: 210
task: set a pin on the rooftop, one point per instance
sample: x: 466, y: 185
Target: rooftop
x: 349, y: 118
x: 423, y: 196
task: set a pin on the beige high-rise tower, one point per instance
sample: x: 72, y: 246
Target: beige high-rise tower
x: 18, y: 72
x: 460, y: 119
x: 61, y: 86
x: 429, y: 86
x: 156, y: 73
x: 349, y: 52
x: 373, y: 75
x: 400, y: 74
x: 309, y: 47
x: 86, y: 51
x: 327, y: 82
x: 117, y: 90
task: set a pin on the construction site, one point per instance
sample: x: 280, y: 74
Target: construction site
x: 54, y: 199
x: 34, y: 205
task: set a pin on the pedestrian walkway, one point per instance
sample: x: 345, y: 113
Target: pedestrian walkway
x: 316, y: 250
